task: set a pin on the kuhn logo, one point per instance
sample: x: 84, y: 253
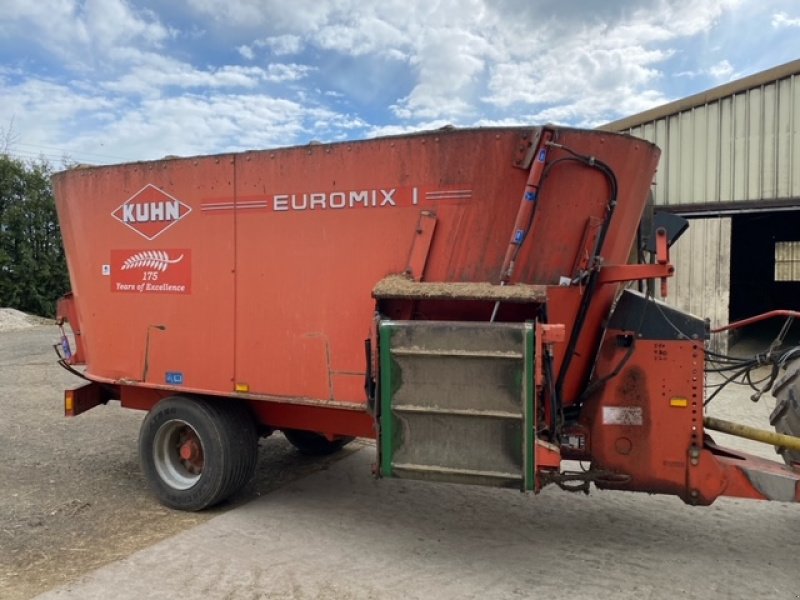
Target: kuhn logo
x: 151, y: 211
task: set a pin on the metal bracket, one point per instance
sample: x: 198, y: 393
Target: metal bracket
x: 526, y: 150
x: 421, y: 246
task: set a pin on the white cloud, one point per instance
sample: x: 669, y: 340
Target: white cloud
x: 363, y: 35
x: 689, y: 17
x: 277, y: 72
x: 160, y: 73
x: 61, y: 101
x: 191, y: 124
x: 281, y: 45
x: 82, y: 33
x: 294, y: 16
x: 246, y: 52
x: 48, y: 113
x: 599, y: 70
x: 781, y: 20
x: 449, y: 66
x: 153, y: 74
x: 84, y: 124
x: 468, y: 54
x: 199, y: 124
x: 723, y: 70
x: 236, y: 12
x: 592, y: 111
x: 413, y: 63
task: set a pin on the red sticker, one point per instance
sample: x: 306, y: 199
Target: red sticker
x: 151, y: 271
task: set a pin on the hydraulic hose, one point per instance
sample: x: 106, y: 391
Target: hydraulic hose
x: 594, y: 271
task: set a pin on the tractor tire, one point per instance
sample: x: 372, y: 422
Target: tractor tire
x: 314, y: 444
x: 196, y: 453
x: 786, y: 415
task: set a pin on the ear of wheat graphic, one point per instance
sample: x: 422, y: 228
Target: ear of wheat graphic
x: 150, y: 259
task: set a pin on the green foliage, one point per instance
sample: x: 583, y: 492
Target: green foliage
x: 33, y: 272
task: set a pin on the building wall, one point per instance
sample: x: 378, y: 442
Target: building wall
x: 701, y: 284
x: 742, y: 147
x: 732, y: 149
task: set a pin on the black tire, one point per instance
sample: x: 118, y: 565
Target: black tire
x: 314, y: 444
x: 786, y: 415
x: 220, y: 443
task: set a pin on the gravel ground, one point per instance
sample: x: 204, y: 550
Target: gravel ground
x: 73, y: 497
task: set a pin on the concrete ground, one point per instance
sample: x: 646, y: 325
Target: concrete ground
x: 72, y: 495
x: 76, y: 519
x: 338, y: 534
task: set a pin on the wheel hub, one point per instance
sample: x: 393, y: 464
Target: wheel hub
x: 178, y: 455
x: 190, y: 451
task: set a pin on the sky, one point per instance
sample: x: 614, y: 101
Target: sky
x: 108, y: 81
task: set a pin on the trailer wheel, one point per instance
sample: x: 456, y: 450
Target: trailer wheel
x: 196, y: 453
x: 314, y: 444
x: 786, y: 415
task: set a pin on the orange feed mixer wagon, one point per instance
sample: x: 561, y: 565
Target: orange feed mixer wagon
x: 456, y: 295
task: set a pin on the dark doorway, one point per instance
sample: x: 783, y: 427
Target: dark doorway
x: 754, y: 288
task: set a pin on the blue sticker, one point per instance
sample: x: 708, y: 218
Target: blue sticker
x: 65, y: 347
x: 542, y: 154
x: 530, y: 196
x: 519, y: 235
x: 174, y: 378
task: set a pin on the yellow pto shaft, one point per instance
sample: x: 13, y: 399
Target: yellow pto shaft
x: 751, y: 433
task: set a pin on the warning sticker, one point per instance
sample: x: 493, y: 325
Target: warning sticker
x: 622, y: 415
x: 151, y: 271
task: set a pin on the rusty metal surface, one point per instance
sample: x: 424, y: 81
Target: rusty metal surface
x: 262, y: 264
x: 421, y: 246
x: 636, y: 426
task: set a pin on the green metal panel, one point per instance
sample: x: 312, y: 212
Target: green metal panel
x: 386, y: 383
x: 457, y: 402
x: 529, y: 387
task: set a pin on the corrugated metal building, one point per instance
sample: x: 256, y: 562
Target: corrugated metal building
x: 731, y: 163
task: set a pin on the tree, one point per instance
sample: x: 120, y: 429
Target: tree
x: 33, y: 272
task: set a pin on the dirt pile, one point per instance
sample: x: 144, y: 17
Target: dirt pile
x: 12, y: 319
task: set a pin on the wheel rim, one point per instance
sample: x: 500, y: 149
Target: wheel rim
x: 178, y: 454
